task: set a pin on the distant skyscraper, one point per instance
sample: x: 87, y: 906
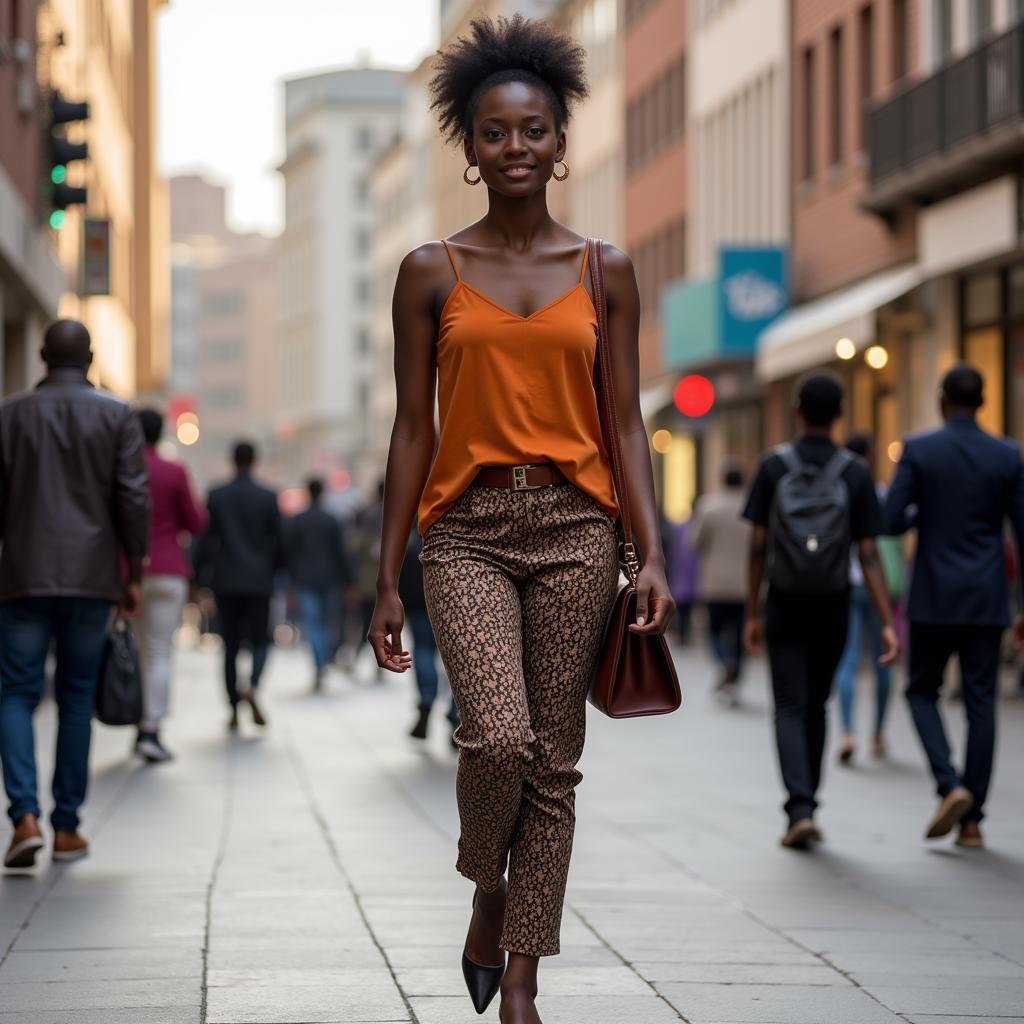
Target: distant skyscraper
x: 337, y: 125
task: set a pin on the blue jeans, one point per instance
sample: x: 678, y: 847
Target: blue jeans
x: 313, y: 616
x: 862, y: 617
x: 78, y: 624
x: 424, y: 660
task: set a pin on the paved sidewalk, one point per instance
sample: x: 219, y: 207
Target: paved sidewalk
x: 306, y: 875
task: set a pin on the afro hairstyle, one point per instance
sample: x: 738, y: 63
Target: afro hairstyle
x: 515, y: 49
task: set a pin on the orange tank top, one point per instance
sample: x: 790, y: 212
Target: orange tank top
x: 516, y: 389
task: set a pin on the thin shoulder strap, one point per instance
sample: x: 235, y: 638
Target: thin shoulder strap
x: 451, y: 257
x: 836, y: 466
x: 586, y: 255
x: 787, y: 453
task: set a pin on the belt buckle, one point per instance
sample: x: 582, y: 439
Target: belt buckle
x: 519, y: 478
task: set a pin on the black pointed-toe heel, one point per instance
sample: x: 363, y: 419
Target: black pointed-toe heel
x: 482, y: 981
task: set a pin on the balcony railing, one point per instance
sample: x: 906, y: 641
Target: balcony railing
x: 963, y: 121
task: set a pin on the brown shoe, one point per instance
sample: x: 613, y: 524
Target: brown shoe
x: 26, y: 842
x: 970, y: 836
x: 69, y: 846
x: 801, y: 834
x: 952, y: 807
x: 257, y: 716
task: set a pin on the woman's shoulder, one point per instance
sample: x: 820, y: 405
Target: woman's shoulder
x: 429, y: 256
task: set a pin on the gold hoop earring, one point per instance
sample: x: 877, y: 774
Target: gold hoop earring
x: 467, y: 179
x: 562, y: 177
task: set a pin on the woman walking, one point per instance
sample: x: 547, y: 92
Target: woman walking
x: 517, y: 509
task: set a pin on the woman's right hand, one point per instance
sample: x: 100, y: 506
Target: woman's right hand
x: 385, y: 634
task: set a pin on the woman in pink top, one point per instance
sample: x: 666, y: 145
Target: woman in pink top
x: 174, y: 512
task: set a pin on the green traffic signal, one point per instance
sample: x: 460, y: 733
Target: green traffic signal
x: 59, y: 174
x: 57, y: 219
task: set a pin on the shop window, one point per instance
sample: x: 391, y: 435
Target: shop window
x: 1017, y: 293
x: 983, y: 349
x: 1015, y: 368
x: 981, y: 300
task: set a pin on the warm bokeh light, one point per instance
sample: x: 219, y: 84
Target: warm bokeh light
x: 694, y: 395
x: 876, y: 357
x: 187, y: 417
x: 188, y: 433
x: 895, y: 451
x: 661, y: 441
x: 845, y: 349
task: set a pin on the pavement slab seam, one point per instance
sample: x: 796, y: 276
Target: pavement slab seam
x: 321, y: 821
x: 611, y: 949
x: 227, y: 816
x: 57, y: 870
x: 752, y: 915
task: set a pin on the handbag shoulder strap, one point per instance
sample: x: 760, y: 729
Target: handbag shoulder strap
x: 606, y: 404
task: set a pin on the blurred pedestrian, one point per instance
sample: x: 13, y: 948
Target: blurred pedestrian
x: 72, y: 500
x: 174, y: 513
x: 681, y: 570
x: 957, y: 486
x: 864, y: 622
x: 318, y: 569
x: 241, y: 552
x: 517, y: 507
x: 365, y: 548
x: 809, y: 502
x: 721, y: 537
x: 424, y: 644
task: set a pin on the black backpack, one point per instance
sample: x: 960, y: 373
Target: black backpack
x: 809, y: 533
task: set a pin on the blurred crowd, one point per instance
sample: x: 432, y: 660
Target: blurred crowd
x: 806, y: 562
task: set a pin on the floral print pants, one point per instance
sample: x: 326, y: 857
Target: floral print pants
x: 519, y: 585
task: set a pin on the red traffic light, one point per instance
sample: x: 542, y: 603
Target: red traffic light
x: 694, y: 395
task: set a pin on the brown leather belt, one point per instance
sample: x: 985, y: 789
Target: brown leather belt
x: 520, y: 478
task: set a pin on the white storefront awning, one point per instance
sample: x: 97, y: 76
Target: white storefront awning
x: 806, y: 335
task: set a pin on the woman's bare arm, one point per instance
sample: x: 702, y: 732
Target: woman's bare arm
x: 420, y: 277
x: 623, y: 336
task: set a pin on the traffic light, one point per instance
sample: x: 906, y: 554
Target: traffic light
x: 62, y: 151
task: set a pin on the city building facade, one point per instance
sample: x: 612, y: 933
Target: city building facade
x: 113, y: 250
x: 30, y: 276
x: 336, y: 126
x: 223, y: 329
x: 906, y: 199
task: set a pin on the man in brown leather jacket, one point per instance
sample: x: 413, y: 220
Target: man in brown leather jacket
x: 73, y: 498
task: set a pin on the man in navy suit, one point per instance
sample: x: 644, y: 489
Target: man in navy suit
x: 957, y: 486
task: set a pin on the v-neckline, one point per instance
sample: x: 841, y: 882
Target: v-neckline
x: 519, y: 316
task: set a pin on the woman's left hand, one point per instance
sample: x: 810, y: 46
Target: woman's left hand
x: 654, y: 604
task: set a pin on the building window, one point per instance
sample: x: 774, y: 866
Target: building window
x: 364, y: 137
x: 867, y: 69
x: 942, y: 18
x: 221, y: 399
x: 835, y: 93
x: 656, y: 117
x: 807, y: 96
x: 362, y: 340
x: 362, y: 290
x: 222, y: 305
x: 981, y: 19
x: 222, y: 351
x: 900, y: 36
x: 361, y: 241
x: 362, y: 189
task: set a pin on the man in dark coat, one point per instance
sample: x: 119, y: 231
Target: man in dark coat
x: 318, y: 569
x: 957, y: 486
x: 73, y: 500
x: 238, y: 557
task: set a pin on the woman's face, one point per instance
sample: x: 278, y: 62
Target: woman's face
x: 515, y: 142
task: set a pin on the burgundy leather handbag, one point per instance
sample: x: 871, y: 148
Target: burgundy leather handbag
x: 635, y: 674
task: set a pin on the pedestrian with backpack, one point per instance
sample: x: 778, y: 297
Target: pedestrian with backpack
x: 809, y: 502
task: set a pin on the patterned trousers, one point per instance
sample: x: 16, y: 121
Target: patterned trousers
x: 519, y: 585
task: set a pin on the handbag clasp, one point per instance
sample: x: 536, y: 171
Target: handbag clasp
x: 630, y: 561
